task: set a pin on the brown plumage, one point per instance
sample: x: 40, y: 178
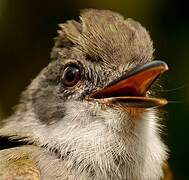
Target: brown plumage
x: 88, y: 114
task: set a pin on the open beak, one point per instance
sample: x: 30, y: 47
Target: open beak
x: 130, y: 90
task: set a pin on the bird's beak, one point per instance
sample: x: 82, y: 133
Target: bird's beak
x: 131, y: 89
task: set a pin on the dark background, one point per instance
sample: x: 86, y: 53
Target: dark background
x: 27, y: 28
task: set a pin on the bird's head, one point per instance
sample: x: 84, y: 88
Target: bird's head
x: 92, y: 100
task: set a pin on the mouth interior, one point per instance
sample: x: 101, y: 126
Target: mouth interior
x: 122, y: 92
x: 131, y: 89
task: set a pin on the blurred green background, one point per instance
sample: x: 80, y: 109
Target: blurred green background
x: 27, y: 28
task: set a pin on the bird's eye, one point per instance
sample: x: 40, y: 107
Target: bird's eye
x: 71, y: 75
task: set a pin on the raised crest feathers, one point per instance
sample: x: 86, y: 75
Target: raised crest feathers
x: 107, y: 35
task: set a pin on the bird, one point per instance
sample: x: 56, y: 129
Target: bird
x: 92, y: 113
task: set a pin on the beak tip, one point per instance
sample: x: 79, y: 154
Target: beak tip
x: 162, y: 64
x: 164, y: 102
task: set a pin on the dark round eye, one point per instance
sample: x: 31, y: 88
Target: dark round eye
x: 71, y: 75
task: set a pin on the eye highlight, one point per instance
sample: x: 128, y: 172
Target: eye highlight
x: 71, y: 75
